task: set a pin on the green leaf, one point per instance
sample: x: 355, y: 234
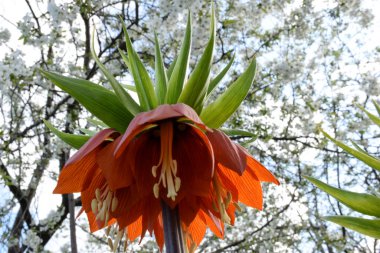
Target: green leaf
x: 377, y: 106
x: 143, y: 83
x: 359, y: 148
x: 372, y: 117
x: 75, y: 141
x: 129, y: 87
x: 97, y: 123
x: 360, y: 202
x: 364, y: 157
x: 171, y: 68
x: 214, y: 82
x: 161, y: 78
x: 215, y: 114
x: 87, y: 131
x: 101, y: 102
x: 126, y: 61
x: 361, y: 225
x: 178, y: 76
x: 238, y: 132
x: 196, y: 87
x: 129, y: 103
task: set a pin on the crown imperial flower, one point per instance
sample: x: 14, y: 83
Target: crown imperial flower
x: 163, y: 153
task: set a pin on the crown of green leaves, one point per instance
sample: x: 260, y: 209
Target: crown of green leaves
x: 115, y: 109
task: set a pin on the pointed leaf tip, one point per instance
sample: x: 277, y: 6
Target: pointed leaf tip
x: 101, y: 102
x: 219, y: 111
x: 196, y: 87
x: 144, y: 85
x: 360, y: 202
x: 361, y: 225
x: 215, y: 81
x: 160, y: 72
x: 120, y: 92
x: 75, y: 141
x: 179, y: 73
x: 364, y: 157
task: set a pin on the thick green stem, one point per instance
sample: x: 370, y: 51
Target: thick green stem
x: 172, y: 229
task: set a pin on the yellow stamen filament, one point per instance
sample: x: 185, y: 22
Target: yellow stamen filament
x: 102, y: 205
x: 168, y: 174
x: 220, y: 203
x: 119, y: 236
x: 238, y: 208
x: 104, y: 202
x: 115, y: 237
x: 115, y: 202
x: 110, y: 244
x: 108, y: 230
x: 228, y: 199
x: 94, y: 206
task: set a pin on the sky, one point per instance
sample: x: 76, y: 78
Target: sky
x: 10, y: 13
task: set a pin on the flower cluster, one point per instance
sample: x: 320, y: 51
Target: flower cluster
x: 166, y: 154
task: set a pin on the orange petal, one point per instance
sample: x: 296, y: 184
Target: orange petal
x: 151, y: 211
x: 114, y: 170
x: 226, y: 152
x: 98, y: 181
x: 162, y: 112
x: 95, y: 225
x: 188, y: 209
x: 73, y: 176
x: 127, y: 199
x: 197, y: 229
x: 215, y: 225
x: 128, y: 218
x: 159, y: 232
x: 135, y: 229
x: 231, y: 213
x: 248, y: 186
x: 194, y: 156
x: 260, y: 171
x: 143, y: 154
x: 91, y: 145
x: 92, y: 221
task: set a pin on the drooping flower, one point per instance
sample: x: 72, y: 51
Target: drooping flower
x: 166, y: 154
x: 163, y: 151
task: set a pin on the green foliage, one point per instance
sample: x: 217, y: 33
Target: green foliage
x: 160, y: 72
x: 121, y: 93
x: 215, y: 114
x: 178, y: 75
x: 171, y: 85
x: 101, y: 102
x: 363, y: 156
x: 196, y: 87
x: 75, y: 141
x: 361, y: 225
x: 215, y: 81
x: 360, y: 202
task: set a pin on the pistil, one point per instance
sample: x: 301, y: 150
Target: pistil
x: 168, y: 174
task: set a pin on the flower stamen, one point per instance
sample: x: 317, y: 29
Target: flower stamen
x: 168, y: 175
x: 105, y: 201
x: 221, y: 205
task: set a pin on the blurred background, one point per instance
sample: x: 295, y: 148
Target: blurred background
x: 317, y: 60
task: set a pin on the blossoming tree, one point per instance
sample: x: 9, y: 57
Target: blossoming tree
x: 315, y: 60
